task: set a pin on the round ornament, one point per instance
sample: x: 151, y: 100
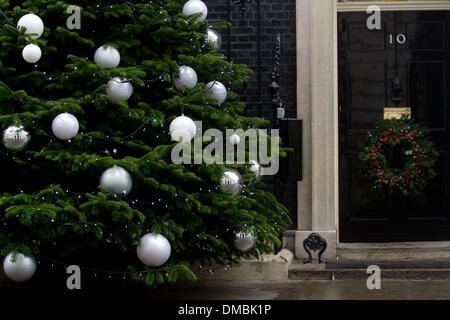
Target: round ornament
x: 154, y: 250
x: 196, y: 6
x: 34, y: 25
x: 256, y: 168
x: 65, y: 126
x: 20, y: 270
x: 188, y: 77
x: 31, y: 53
x: 15, y: 138
x: 214, y: 38
x: 231, y: 181
x: 107, y: 56
x: 216, y: 92
x: 398, y: 157
x: 119, y: 89
x: 235, y: 139
x: 245, y: 241
x: 182, y: 129
x: 117, y: 180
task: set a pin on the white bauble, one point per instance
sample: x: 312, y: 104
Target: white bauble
x: 14, y: 138
x: 245, y: 241
x: 33, y: 23
x: 196, y: 6
x: 117, y: 180
x: 235, y: 139
x: 154, y: 250
x: 20, y: 270
x: 214, y: 38
x: 31, y: 53
x: 216, y: 92
x: 107, y: 56
x: 188, y: 77
x: 231, y: 181
x: 182, y: 129
x: 119, y: 89
x: 65, y: 126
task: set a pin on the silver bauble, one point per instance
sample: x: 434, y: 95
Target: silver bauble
x: 216, y: 92
x: 107, y: 57
x: 232, y: 181
x: 188, y: 77
x: 119, y: 89
x: 154, y: 250
x: 245, y: 241
x: 196, y: 6
x: 15, y: 138
x: 256, y: 168
x: 117, y: 180
x: 214, y: 38
x: 22, y: 269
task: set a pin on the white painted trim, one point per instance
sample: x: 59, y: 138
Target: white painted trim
x: 336, y: 122
x: 423, y: 5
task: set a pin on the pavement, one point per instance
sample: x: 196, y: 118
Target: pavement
x: 305, y: 290
x: 294, y: 290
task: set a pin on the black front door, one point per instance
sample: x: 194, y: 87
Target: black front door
x: 413, y: 47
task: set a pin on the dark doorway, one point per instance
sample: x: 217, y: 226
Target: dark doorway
x: 413, y: 47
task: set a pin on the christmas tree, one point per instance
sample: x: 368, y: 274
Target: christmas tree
x: 93, y: 99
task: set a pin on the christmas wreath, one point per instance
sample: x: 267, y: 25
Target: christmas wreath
x: 398, y: 157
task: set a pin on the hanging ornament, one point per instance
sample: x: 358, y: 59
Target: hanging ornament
x: 15, y: 138
x: 119, y: 89
x: 245, y: 241
x: 196, y: 6
x: 117, y: 180
x: 214, y: 38
x: 31, y: 53
x: 34, y: 25
x: 188, y: 77
x: 235, y: 139
x: 231, y: 181
x: 154, y: 250
x: 182, y: 129
x: 216, y: 92
x: 257, y: 170
x: 65, y: 126
x: 20, y: 270
x: 107, y: 56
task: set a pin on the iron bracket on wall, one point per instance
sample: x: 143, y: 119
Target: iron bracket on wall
x: 243, y: 4
x: 314, y: 242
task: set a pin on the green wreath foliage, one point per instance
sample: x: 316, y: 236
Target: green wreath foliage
x: 412, y: 143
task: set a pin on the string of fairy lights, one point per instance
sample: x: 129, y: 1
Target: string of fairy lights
x: 110, y: 273
x: 125, y: 84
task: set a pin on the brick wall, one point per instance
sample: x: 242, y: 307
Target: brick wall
x: 251, y: 40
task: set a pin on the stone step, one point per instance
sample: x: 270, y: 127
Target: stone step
x: 393, y: 251
x: 357, y: 270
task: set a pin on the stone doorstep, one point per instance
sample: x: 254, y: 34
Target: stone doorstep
x: 394, y: 251
x: 269, y: 268
x: 300, y: 271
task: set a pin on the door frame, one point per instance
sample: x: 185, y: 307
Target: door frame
x: 317, y: 104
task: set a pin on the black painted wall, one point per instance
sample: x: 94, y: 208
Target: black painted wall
x: 251, y: 41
